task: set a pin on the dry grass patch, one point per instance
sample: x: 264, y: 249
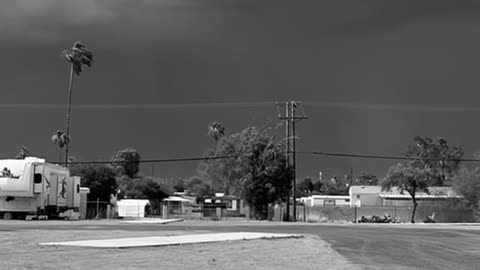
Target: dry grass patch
x: 20, y: 251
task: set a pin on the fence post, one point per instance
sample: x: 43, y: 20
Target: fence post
x: 355, y: 217
x: 164, y: 211
x: 98, y: 208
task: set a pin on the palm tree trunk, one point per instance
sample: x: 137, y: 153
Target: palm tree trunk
x: 60, y: 155
x: 69, y: 105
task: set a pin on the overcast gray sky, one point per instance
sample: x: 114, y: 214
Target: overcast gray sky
x: 371, y: 74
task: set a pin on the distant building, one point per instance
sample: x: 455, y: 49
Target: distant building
x: 132, y: 208
x: 374, y: 196
x: 231, y: 202
x: 326, y: 200
x: 177, y: 204
x: 365, y: 195
x: 435, y: 194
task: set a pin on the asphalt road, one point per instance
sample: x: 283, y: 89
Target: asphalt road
x: 382, y: 246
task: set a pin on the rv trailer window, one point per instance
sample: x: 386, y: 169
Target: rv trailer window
x: 37, y: 178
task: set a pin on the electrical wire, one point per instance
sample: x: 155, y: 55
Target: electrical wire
x: 248, y: 104
x: 385, y: 157
x: 314, y: 153
x: 149, y: 160
x: 143, y: 106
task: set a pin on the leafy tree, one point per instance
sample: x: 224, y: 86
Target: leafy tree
x: 266, y: 177
x: 179, y: 185
x: 144, y: 188
x: 317, y: 186
x: 257, y: 168
x: 127, y: 161
x: 407, y: 177
x: 438, y: 160
x: 198, y: 187
x: 217, y: 132
x: 366, y: 179
x: 209, y: 171
x: 101, y: 179
x: 334, y: 186
x: 467, y: 183
x: 224, y: 174
x: 24, y: 152
x: 305, y: 187
x: 151, y: 188
x: 175, y: 184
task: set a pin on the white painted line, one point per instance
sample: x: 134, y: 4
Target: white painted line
x: 152, y: 221
x: 170, y: 240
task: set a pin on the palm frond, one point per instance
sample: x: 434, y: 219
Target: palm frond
x: 78, y: 56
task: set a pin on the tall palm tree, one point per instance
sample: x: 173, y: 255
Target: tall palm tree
x: 77, y: 56
x: 61, y: 139
x: 216, y: 131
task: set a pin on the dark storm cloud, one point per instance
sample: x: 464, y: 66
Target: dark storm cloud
x: 50, y: 21
x: 209, y: 51
x: 388, y: 15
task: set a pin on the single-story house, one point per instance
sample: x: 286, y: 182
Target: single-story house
x: 326, y: 200
x: 395, y: 198
x: 374, y: 196
x: 232, y: 202
x: 177, y: 204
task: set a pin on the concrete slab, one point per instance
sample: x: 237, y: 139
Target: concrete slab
x: 152, y: 221
x: 170, y: 240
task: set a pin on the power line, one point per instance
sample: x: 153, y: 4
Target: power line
x: 141, y: 106
x: 315, y: 153
x: 150, y: 160
x: 397, y: 107
x: 348, y: 155
x: 247, y: 104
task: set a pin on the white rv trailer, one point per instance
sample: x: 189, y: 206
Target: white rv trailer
x: 31, y: 186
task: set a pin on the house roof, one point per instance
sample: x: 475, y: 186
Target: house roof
x: 176, y: 199
x: 330, y: 197
x: 433, y: 193
x: 133, y: 202
x: 365, y: 190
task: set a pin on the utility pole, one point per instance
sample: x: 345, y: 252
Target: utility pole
x: 286, y: 107
x: 291, y: 118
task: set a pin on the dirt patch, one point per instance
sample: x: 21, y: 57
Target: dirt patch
x: 20, y: 251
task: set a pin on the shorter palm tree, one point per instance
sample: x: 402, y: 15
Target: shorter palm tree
x: 24, y: 152
x: 216, y: 131
x: 61, y: 139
